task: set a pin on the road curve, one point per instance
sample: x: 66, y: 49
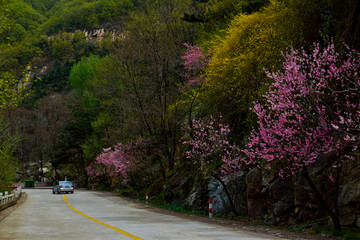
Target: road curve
x: 96, y: 215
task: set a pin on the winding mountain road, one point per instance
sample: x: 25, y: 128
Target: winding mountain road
x: 97, y: 215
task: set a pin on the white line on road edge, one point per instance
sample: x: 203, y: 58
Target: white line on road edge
x: 107, y: 225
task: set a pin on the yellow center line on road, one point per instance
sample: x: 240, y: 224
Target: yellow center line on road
x: 107, y: 225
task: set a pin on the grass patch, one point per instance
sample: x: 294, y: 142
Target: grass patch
x: 320, y: 227
x: 176, y: 208
x: 259, y: 223
x: 351, y: 234
x: 118, y: 191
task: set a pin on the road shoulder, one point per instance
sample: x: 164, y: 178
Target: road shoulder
x: 277, y: 232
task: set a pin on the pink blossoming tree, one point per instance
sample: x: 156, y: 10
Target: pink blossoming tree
x: 311, y: 114
x: 195, y: 62
x: 112, y: 162
x: 210, y: 149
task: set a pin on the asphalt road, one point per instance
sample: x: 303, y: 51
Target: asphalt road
x: 96, y: 215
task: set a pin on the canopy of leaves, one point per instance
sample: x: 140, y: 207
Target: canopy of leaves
x: 82, y: 72
x: 85, y: 14
x: 42, y: 6
x: 235, y: 76
x: 17, y: 17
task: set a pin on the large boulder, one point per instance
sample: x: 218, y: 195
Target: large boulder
x: 236, y: 185
x: 215, y: 190
x: 349, y: 198
x: 254, y: 194
x: 178, y: 190
x: 279, y: 203
x: 196, y: 200
x: 307, y: 206
x: 236, y: 188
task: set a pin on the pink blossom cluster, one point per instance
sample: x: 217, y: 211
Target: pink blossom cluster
x: 195, y: 61
x: 312, y: 109
x: 210, y: 144
x: 113, y: 162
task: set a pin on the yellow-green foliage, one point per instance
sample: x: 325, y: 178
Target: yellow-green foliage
x: 12, y: 91
x: 61, y: 47
x: 252, y: 43
x: 84, y: 14
x: 17, y: 17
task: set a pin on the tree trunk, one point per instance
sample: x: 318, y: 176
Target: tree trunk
x: 228, y: 195
x: 334, y: 215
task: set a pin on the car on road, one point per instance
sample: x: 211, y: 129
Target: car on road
x: 63, y: 187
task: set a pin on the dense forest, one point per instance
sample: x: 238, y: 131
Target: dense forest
x: 162, y: 96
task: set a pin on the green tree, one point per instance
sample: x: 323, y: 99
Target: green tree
x: 17, y: 17
x: 96, y: 114
x: 235, y: 76
x: 150, y: 56
x: 12, y: 91
x: 41, y: 6
x: 79, y: 14
x: 8, y: 164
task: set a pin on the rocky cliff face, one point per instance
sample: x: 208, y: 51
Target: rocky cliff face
x: 98, y: 34
x: 281, y: 201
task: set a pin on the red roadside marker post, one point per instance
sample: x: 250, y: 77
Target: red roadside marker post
x: 210, y: 208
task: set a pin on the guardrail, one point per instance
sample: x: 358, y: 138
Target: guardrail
x: 7, y: 200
